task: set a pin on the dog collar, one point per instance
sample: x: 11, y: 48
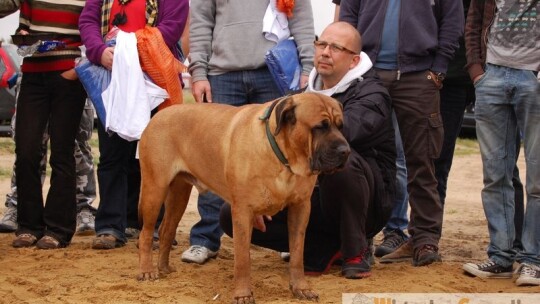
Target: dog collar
x: 270, y: 136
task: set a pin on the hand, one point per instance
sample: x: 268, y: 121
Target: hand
x: 23, y: 32
x: 436, y: 79
x: 70, y: 75
x: 477, y: 78
x: 107, y: 58
x: 304, y: 81
x: 201, y: 91
x: 258, y: 222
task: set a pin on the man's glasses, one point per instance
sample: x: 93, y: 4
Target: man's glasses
x: 334, y: 48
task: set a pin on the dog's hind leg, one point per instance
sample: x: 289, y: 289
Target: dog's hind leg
x: 151, y: 199
x: 175, y: 206
x: 297, y: 220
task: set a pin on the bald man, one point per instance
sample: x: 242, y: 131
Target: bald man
x: 353, y: 204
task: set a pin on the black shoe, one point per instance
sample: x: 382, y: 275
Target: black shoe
x: 357, y: 267
x: 391, y: 242
x: 426, y: 255
x: 488, y: 269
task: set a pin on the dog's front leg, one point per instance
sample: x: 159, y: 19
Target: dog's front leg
x: 242, y: 219
x: 297, y: 220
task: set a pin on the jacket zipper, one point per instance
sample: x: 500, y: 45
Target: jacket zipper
x: 398, y: 75
x: 489, y: 25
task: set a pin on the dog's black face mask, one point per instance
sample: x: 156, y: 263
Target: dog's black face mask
x: 331, y: 150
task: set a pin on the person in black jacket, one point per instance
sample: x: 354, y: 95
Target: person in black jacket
x: 354, y: 204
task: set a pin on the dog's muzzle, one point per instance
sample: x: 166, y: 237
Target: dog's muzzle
x: 332, y: 158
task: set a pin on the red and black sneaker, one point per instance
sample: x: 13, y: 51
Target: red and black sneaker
x: 357, y: 267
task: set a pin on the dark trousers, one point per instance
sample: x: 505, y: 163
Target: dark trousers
x: 47, y: 97
x: 454, y: 100
x: 338, y: 218
x: 416, y: 103
x: 119, y: 180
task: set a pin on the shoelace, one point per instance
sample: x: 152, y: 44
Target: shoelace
x: 357, y: 259
x: 426, y: 248
x: 392, y: 241
x: 196, y: 250
x: 486, y: 264
x: 85, y: 216
x: 528, y: 271
x: 11, y: 214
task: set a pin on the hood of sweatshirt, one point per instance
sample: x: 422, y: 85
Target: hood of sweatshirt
x: 315, y: 82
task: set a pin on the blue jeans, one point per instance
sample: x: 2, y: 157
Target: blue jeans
x: 398, y: 219
x: 233, y: 88
x: 506, y: 99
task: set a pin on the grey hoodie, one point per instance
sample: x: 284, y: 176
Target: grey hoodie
x: 226, y: 35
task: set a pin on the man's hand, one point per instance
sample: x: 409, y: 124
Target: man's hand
x: 201, y: 91
x: 477, y: 78
x: 107, y: 58
x: 70, y: 75
x: 258, y: 222
x: 304, y: 81
x: 437, y: 79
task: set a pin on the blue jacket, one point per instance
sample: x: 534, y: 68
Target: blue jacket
x: 429, y: 30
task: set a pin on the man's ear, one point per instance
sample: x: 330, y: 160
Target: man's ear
x: 285, y: 114
x: 355, y: 62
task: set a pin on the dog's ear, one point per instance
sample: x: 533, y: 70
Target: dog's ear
x: 285, y: 114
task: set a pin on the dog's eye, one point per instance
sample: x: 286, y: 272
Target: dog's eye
x: 323, y: 126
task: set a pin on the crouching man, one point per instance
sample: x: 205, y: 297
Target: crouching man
x: 352, y: 205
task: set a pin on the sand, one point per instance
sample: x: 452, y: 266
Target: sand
x: 79, y: 274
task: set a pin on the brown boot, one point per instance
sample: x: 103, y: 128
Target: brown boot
x: 403, y: 254
x: 24, y: 240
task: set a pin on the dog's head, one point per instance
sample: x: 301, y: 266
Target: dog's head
x: 307, y: 126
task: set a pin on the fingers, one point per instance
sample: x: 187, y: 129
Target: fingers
x: 201, y: 91
x: 107, y: 58
x: 304, y: 81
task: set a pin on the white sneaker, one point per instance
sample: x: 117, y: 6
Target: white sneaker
x: 85, y: 222
x: 132, y: 233
x: 8, y: 223
x: 528, y: 275
x: 198, y: 254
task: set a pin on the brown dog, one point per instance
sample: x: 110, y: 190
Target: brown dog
x: 233, y: 151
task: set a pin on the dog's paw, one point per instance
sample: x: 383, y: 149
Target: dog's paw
x: 244, y: 300
x: 166, y: 269
x: 148, y: 276
x: 305, y: 294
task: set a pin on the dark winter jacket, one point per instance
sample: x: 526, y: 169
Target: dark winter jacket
x: 367, y: 126
x: 428, y: 30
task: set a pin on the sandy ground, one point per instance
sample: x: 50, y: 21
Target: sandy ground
x: 78, y: 274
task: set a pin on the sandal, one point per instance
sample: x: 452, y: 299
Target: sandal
x: 106, y: 241
x: 48, y: 242
x: 24, y: 240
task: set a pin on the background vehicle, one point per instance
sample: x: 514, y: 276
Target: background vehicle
x: 9, y: 60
